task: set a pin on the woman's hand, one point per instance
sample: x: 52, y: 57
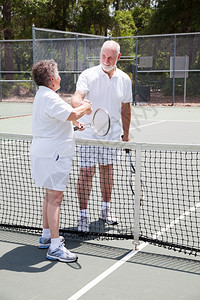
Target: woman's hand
x: 79, y: 125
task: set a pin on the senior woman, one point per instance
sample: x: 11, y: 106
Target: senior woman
x: 52, y: 152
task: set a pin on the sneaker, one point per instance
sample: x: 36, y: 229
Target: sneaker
x: 83, y: 224
x: 61, y: 254
x: 109, y: 217
x: 44, y: 243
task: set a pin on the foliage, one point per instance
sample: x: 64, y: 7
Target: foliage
x: 192, y: 86
x: 93, y: 17
x: 124, y: 24
x: 142, y: 16
x: 101, y: 17
x: 175, y: 16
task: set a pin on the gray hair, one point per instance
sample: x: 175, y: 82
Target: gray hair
x: 43, y: 70
x: 112, y: 45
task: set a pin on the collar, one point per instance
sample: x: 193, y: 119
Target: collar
x: 43, y: 88
x: 102, y: 73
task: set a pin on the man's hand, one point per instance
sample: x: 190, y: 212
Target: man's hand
x: 89, y: 111
x: 125, y: 138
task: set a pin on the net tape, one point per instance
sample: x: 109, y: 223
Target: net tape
x: 169, y: 213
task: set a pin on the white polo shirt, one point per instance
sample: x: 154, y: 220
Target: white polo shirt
x: 105, y: 93
x: 51, y: 132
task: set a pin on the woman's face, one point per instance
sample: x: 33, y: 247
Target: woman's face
x: 56, y: 82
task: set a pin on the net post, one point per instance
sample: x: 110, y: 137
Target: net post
x: 137, y: 197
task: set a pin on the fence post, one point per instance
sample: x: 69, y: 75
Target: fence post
x: 173, y: 93
x: 0, y: 79
x: 136, y: 70
x: 33, y: 37
x: 84, y: 60
x: 76, y: 63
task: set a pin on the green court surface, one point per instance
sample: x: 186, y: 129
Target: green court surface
x: 150, y: 124
x: 15, y: 109
x: 105, y: 269
x: 101, y: 272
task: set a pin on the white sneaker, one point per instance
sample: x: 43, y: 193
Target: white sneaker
x: 109, y: 217
x: 61, y: 254
x: 83, y: 224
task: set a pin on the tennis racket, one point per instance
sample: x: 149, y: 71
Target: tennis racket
x: 132, y: 178
x: 100, y: 122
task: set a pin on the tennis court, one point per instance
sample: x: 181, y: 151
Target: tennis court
x: 106, y: 269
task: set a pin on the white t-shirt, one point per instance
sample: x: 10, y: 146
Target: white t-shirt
x: 51, y: 131
x: 105, y: 93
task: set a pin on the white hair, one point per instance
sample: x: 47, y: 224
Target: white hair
x: 113, y: 45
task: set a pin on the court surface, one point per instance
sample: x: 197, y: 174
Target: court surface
x: 105, y: 269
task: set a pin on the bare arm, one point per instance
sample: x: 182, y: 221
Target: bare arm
x: 126, y: 120
x: 77, y: 99
x: 79, y: 111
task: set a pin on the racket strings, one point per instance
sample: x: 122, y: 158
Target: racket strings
x: 101, y: 122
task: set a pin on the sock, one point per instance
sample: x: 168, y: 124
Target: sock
x: 84, y: 213
x: 105, y: 205
x: 55, y: 243
x: 46, y: 233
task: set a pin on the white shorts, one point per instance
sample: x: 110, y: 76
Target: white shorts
x: 51, y: 173
x: 89, y: 156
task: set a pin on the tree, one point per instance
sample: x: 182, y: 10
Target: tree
x: 130, y: 4
x: 142, y: 17
x: 123, y: 24
x: 94, y: 17
x: 8, y: 34
x: 175, y: 16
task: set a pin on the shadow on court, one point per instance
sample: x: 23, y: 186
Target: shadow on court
x: 26, y: 257
x: 23, y: 259
x: 190, y: 266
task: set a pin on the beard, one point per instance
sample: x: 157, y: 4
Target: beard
x: 107, y: 68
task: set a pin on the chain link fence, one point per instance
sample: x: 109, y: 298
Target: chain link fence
x: 16, y: 59
x: 164, y: 69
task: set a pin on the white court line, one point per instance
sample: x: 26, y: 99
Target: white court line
x: 176, y: 221
x: 154, y: 123
x: 170, y: 120
x: 103, y: 275
x: 162, y: 121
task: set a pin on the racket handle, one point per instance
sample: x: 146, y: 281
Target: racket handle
x: 126, y: 150
x: 77, y: 128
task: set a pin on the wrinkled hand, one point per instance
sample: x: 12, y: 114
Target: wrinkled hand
x: 79, y: 125
x: 125, y: 138
x: 89, y: 111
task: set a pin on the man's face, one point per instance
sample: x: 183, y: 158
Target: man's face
x: 109, y: 59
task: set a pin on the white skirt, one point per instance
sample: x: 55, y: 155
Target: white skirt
x: 51, y: 173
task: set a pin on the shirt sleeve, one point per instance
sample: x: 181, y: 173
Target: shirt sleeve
x: 82, y: 83
x: 57, y: 108
x: 128, y: 96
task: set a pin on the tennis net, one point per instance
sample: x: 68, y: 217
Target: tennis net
x: 166, y: 213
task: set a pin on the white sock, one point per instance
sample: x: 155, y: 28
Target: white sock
x: 55, y: 243
x: 84, y: 213
x: 105, y: 205
x: 46, y: 233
